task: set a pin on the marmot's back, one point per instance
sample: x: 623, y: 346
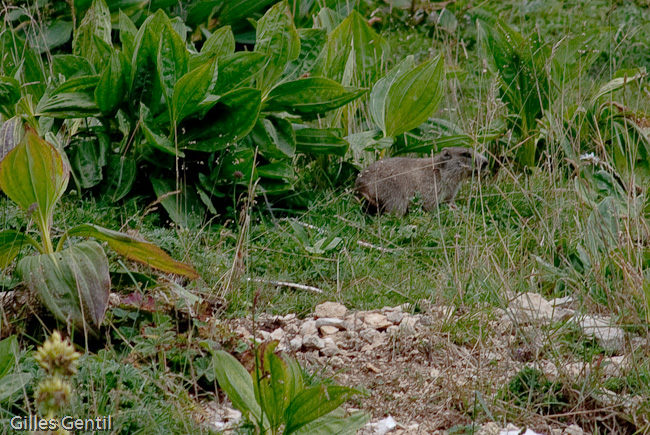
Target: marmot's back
x: 389, y: 185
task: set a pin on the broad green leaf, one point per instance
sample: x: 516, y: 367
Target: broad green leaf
x: 8, y: 355
x: 274, y: 137
x: 145, y: 85
x: 73, y: 283
x: 119, y: 176
x: 229, y: 121
x: 276, y: 36
x: 313, y: 403
x: 9, y: 95
x: 11, y: 133
x: 153, y: 136
x: 312, y: 42
x: 135, y: 249
x: 34, y: 175
x: 355, y: 36
x: 11, y: 384
x: 310, y: 96
x: 379, y: 92
x: 184, y: 207
x: 239, y: 69
x: 237, y: 383
x: 296, y: 380
x: 74, y: 98
x: 173, y: 58
x: 618, y: 83
x: 276, y: 170
x: 112, y: 86
x: 220, y: 43
x: 192, y: 88
x: 96, y: 22
x: 128, y: 33
x: 71, y: 66
x: 34, y: 73
x: 413, y: 97
x: 271, y: 383
x: 321, y: 141
x: 87, y: 157
x: 336, y: 423
x: 54, y: 34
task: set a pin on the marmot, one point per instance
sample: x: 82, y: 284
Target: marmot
x: 389, y: 185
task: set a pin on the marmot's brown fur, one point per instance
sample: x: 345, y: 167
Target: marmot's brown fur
x: 389, y: 185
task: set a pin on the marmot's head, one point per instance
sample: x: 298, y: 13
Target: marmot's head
x: 460, y: 162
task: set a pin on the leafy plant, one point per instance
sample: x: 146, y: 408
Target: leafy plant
x: 10, y: 381
x: 72, y: 281
x: 529, y: 72
x: 157, y: 108
x: 275, y: 399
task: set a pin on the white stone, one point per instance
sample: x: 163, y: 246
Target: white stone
x: 330, y: 348
x: 296, y: 343
x: 376, y: 321
x: 308, y: 327
x: 382, y: 427
x: 330, y: 309
x: 530, y: 307
x: 394, y: 317
x: 278, y: 334
x: 328, y: 330
x: 610, y: 337
x: 407, y: 327
x: 311, y: 342
x: 574, y: 429
x: 330, y: 321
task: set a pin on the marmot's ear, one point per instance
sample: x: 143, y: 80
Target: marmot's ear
x: 446, y: 155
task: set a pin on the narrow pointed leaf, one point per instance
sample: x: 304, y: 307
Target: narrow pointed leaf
x: 310, y: 96
x: 11, y: 242
x: 135, y: 249
x: 313, y: 403
x: 237, y: 383
x: 276, y: 36
x: 414, y: 97
x: 192, y: 88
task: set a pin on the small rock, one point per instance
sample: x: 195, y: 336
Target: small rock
x: 278, y: 334
x: 574, y: 429
x: 308, y: 327
x: 264, y: 334
x: 610, y: 337
x: 328, y: 330
x: 337, y: 361
x: 330, y: 321
x: 387, y: 310
x: 490, y: 428
x: 330, y: 348
x: 296, y: 343
x: 407, y: 327
x: 373, y: 368
x: 393, y: 331
x: 368, y: 334
x: 330, y: 309
x: 376, y: 321
x: 312, y: 342
x: 289, y: 317
x: 382, y: 427
x: 531, y: 307
x: 394, y: 317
